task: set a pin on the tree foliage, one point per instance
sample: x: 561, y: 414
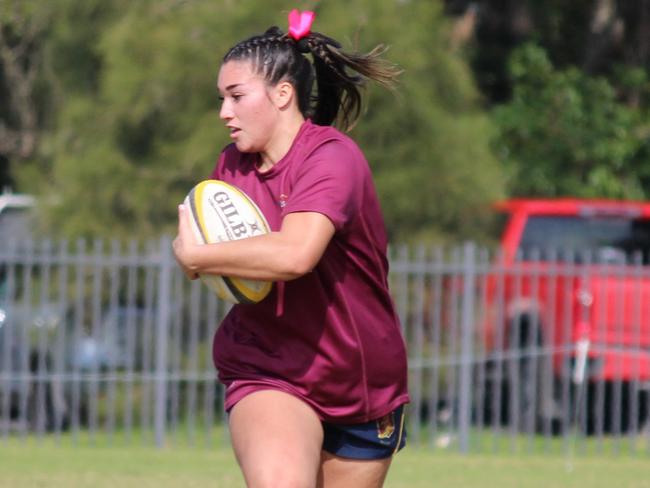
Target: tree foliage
x: 567, y: 87
x: 23, y: 91
x: 566, y: 133
x: 135, y: 113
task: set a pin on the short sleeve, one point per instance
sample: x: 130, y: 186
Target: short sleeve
x: 329, y: 181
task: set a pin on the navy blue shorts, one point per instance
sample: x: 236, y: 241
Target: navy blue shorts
x: 377, y: 439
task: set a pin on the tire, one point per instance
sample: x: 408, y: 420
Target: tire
x: 531, y: 387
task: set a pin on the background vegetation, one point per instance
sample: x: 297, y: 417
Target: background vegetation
x: 109, y: 112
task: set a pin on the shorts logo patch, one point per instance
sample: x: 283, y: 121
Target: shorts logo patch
x: 386, y: 426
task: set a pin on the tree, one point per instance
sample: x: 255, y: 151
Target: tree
x: 566, y: 133
x: 22, y: 27
x: 598, y: 37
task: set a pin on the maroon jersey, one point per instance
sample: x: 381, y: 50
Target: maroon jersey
x: 331, y: 337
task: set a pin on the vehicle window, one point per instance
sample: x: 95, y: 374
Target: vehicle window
x: 595, y: 238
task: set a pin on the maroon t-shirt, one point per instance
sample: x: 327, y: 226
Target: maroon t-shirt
x: 331, y: 337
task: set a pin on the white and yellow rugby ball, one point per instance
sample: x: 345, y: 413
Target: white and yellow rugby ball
x: 221, y: 212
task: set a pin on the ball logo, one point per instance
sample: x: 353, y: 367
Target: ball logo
x: 227, y: 212
x: 233, y: 222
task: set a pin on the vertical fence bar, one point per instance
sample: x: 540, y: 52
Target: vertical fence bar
x: 435, y: 313
x: 44, y: 321
x: 150, y: 274
x: 498, y: 362
x: 466, y: 347
x: 549, y: 378
x: 78, y: 317
x: 162, y: 326
x: 9, y: 338
x: 132, y: 329
x: 175, y: 352
x: 94, y: 380
x: 25, y: 326
x: 512, y: 338
x: 416, y: 341
x: 207, y: 375
x: 483, y: 258
x: 450, y: 339
x: 113, y: 336
x: 620, y: 277
x: 600, y: 400
x: 635, y: 320
x: 61, y: 412
x: 568, y: 277
x: 532, y: 353
x: 191, y: 364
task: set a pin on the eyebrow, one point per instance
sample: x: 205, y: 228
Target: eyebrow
x: 233, y: 86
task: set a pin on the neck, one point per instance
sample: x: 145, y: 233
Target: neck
x: 281, y: 143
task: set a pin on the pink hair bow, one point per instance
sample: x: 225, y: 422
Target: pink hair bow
x: 300, y: 23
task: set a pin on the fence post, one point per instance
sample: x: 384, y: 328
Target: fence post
x: 162, y: 326
x: 467, y: 335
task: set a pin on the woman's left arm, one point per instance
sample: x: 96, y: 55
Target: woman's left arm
x: 284, y: 255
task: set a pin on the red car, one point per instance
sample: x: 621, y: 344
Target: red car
x: 566, y: 318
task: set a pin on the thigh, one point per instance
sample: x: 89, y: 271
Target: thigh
x: 277, y: 439
x: 338, y: 472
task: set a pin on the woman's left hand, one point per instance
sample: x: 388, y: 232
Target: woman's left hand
x: 184, y: 244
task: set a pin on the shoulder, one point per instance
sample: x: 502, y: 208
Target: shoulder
x: 332, y: 150
x: 328, y: 143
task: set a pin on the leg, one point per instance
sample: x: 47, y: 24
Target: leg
x: 277, y: 440
x: 338, y: 472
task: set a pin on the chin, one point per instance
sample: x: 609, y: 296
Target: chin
x: 245, y: 148
x: 242, y: 147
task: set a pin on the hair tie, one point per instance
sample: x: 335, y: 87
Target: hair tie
x: 300, y: 25
x: 303, y: 46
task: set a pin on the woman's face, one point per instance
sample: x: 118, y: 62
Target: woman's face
x: 247, y: 107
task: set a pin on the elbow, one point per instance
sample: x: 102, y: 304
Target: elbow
x: 298, y: 266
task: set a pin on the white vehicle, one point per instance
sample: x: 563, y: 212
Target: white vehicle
x: 14, y: 215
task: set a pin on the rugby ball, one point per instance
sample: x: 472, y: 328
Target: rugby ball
x: 222, y: 212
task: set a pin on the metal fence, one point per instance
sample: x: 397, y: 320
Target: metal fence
x: 111, y: 339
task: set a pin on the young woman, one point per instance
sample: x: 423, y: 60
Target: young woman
x: 316, y: 373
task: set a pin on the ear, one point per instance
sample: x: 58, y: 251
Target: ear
x: 283, y: 94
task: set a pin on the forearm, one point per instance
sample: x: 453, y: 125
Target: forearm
x: 277, y: 256
x: 269, y: 257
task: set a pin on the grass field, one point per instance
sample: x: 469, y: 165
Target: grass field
x: 31, y: 463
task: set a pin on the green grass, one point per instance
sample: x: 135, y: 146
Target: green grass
x: 97, y: 463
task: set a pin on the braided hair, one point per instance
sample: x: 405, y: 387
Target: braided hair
x: 277, y: 57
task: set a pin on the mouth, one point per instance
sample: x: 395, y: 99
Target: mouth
x: 234, y: 131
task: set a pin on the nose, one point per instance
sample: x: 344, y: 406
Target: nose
x: 225, y: 112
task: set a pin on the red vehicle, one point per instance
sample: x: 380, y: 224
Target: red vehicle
x: 567, y: 315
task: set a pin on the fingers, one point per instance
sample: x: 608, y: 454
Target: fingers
x: 184, y: 225
x: 183, y: 242
x: 182, y: 220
